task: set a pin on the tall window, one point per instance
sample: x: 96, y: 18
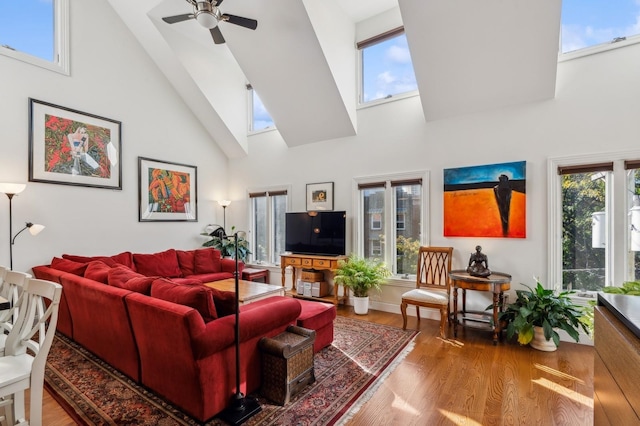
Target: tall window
x: 386, y: 67
x: 602, y: 23
x: 396, y: 241
x: 259, y: 118
x: 594, y: 221
x: 36, y: 32
x: 268, y: 210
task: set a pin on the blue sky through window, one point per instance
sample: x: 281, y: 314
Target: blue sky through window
x: 27, y: 26
x: 387, y: 69
x: 261, y: 117
x: 589, y: 22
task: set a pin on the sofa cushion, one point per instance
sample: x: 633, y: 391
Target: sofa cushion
x: 125, y: 258
x: 186, y: 261
x: 197, y: 297
x: 76, y: 268
x: 123, y: 277
x: 186, y: 281
x: 162, y: 264
x: 214, y: 276
x: 97, y: 271
x: 207, y: 261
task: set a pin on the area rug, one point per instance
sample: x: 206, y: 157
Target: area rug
x: 347, y: 374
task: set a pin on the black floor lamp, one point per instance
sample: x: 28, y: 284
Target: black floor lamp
x: 242, y: 407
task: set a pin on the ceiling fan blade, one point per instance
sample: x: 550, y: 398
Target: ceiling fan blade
x: 252, y: 24
x: 178, y: 18
x: 217, y: 35
x: 219, y: 2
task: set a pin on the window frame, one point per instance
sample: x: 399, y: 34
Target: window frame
x: 60, y: 42
x: 389, y: 250
x: 616, y: 211
x: 250, y: 130
x: 360, y: 46
x: 270, y: 220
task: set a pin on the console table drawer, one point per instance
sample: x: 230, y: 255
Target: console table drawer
x: 293, y: 261
x: 308, y: 262
x: 322, y: 263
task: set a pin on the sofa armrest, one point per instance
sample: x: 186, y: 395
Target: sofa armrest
x: 258, y: 322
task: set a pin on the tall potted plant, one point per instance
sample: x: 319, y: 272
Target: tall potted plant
x: 361, y: 275
x: 536, y: 315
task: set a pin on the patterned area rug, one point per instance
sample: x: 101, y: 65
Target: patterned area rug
x: 347, y: 374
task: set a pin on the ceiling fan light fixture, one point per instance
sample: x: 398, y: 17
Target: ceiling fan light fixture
x: 207, y: 20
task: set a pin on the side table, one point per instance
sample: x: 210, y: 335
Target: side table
x: 287, y: 363
x: 255, y: 274
x: 497, y: 283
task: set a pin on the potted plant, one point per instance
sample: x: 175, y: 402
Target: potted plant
x: 227, y: 244
x: 361, y: 275
x: 537, y: 313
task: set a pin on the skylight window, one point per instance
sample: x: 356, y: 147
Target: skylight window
x: 386, y: 67
x: 260, y: 118
x: 35, y: 31
x: 588, y: 23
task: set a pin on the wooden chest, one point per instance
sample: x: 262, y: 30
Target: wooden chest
x: 287, y: 363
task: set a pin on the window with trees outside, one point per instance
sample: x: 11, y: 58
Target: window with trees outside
x: 268, y: 210
x: 393, y: 241
x: 36, y: 32
x: 594, y: 229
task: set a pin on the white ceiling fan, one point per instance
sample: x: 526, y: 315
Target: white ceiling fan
x: 208, y: 14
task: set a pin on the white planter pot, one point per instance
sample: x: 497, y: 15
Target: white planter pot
x: 361, y: 305
x: 540, y: 343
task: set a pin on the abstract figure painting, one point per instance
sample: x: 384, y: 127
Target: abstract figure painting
x: 485, y: 201
x: 167, y: 191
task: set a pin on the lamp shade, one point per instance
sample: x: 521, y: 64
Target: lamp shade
x: 224, y: 203
x: 36, y: 228
x: 12, y: 188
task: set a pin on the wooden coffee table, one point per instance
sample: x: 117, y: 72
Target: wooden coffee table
x: 250, y: 291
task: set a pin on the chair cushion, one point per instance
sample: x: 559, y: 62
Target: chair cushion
x: 162, y: 264
x: 426, y: 296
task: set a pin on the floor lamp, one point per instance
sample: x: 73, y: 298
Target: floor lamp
x: 242, y: 407
x: 224, y: 204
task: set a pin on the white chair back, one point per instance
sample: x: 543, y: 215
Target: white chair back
x: 3, y: 272
x: 13, y: 285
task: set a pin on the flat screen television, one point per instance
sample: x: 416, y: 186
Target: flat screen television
x: 320, y: 233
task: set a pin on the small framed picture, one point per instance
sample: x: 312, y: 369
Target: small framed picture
x: 167, y: 191
x: 320, y: 196
x: 71, y: 147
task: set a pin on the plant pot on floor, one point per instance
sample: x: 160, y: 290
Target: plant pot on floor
x: 540, y: 343
x: 361, y: 305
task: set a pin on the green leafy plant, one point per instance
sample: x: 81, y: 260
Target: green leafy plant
x: 361, y: 275
x: 227, y: 246
x: 543, y: 308
x: 631, y: 288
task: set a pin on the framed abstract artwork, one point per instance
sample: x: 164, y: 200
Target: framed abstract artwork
x: 486, y: 201
x: 167, y: 191
x: 71, y: 147
x: 320, y: 196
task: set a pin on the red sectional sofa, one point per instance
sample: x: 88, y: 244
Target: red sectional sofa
x: 149, y: 317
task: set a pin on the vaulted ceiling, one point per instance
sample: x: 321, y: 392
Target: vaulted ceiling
x: 468, y: 56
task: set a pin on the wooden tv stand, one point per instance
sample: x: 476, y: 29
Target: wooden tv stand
x: 320, y: 263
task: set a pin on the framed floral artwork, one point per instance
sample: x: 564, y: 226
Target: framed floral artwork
x: 167, y: 191
x: 71, y: 147
x: 320, y: 196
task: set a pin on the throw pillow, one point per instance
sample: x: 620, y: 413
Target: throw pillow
x: 225, y: 302
x: 97, y: 271
x: 70, y: 266
x: 140, y: 284
x: 163, y: 264
x: 119, y: 275
x: 206, y: 261
x: 197, y: 297
x: 124, y: 258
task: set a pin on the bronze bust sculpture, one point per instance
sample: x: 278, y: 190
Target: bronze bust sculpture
x: 478, y: 264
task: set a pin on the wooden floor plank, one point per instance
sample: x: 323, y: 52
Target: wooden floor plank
x: 466, y: 381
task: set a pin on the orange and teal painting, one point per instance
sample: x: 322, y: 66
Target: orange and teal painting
x: 169, y: 191
x: 486, y: 201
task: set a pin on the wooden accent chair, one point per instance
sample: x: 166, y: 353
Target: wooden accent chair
x: 433, y: 285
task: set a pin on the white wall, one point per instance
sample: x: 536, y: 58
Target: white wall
x: 111, y: 76
x: 596, y: 110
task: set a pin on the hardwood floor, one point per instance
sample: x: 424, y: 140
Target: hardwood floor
x: 466, y: 381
